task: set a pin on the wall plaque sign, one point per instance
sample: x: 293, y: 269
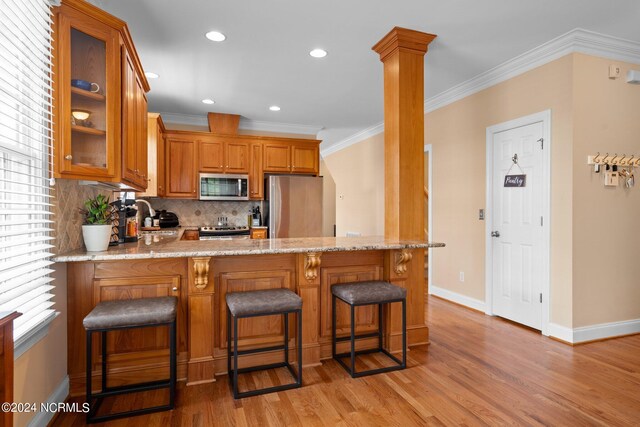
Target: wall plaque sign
x: 515, y: 180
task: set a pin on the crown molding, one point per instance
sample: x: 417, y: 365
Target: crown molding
x: 353, y: 139
x: 245, y: 124
x: 577, y: 40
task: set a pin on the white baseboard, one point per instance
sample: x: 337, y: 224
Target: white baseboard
x: 59, y: 395
x: 476, y: 304
x: 606, y: 330
x: 594, y: 332
x: 560, y: 332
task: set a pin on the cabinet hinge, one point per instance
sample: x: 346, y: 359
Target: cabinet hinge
x: 541, y: 221
x: 541, y: 141
x: 541, y: 298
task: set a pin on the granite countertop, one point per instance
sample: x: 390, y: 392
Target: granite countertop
x: 170, y: 246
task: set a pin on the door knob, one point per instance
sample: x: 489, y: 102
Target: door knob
x: 175, y: 289
x: 495, y: 234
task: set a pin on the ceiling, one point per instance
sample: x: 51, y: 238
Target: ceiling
x: 265, y: 59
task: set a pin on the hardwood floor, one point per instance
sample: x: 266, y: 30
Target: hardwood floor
x: 478, y: 370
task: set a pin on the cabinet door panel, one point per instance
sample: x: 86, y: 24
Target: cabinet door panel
x: 237, y: 156
x: 304, y: 159
x: 211, y: 156
x: 256, y: 174
x: 130, y: 171
x: 141, y: 143
x: 86, y: 49
x: 180, y: 169
x: 277, y: 157
x: 261, y: 330
x: 366, y: 316
x: 140, y: 340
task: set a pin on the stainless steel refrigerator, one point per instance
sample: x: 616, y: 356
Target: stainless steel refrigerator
x: 294, y: 206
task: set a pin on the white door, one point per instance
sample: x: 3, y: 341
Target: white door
x: 517, y: 225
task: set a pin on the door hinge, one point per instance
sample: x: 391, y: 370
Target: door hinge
x: 541, y: 141
x: 541, y: 221
x: 541, y: 298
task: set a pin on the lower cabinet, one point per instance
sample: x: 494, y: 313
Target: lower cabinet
x: 134, y: 355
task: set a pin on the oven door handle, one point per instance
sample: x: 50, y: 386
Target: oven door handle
x: 239, y: 187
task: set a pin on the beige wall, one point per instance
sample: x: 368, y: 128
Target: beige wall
x: 358, y: 172
x: 606, y: 221
x: 593, y: 264
x: 40, y: 370
x: 457, y: 133
x: 328, y: 200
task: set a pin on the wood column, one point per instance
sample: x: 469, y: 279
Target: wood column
x: 402, y: 53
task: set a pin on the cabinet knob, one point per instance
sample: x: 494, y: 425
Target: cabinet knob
x: 175, y: 289
x: 68, y: 157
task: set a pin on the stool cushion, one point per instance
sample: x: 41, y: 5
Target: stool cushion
x: 131, y: 313
x: 370, y: 292
x: 269, y: 301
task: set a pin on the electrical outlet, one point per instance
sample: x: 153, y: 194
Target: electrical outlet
x: 462, y: 276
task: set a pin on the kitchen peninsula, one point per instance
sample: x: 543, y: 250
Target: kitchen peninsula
x: 200, y: 273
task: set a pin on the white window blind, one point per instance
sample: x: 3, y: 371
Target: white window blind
x: 25, y: 148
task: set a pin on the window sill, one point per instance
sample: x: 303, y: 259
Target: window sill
x: 29, y: 339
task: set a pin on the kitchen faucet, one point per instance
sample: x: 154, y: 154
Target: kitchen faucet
x: 152, y: 212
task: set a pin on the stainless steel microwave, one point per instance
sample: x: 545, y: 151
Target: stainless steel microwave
x: 219, y: 186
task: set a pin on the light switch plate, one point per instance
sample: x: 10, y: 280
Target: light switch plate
x: 611, y: 179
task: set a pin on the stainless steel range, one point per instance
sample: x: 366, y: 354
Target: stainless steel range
x: 207, y: 232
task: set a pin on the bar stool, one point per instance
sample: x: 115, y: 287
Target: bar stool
x: 368, y: 293
x: 128, y: 314
x: 262, y: 303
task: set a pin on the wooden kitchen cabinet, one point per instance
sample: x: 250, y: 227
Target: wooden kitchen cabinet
x: 277, y: 157
x: 291, y: 157
x: 211, y: 157
x: 95, y: 125
x: 180, y: 169
x: 224, y: 156
x: 155, y: 157
x: 140, y: 353
x: 237, y: 156
x: 256, y: 173
x: 134, y: 126
x: 305, y: 158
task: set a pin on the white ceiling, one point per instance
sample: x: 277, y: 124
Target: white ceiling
x: 265, y: 59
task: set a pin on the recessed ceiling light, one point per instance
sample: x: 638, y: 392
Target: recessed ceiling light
x: 274, y: 108
x: 151, y: 75
x: 318, y: 53
x: 208, y: 101
x: 215, y: 36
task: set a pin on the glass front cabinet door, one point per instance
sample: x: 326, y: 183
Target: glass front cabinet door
x: 88, y: 106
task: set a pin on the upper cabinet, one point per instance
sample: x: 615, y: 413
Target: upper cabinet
x: 100, y: 104
x: 298, y: 156
x: 155, y: 157
x: 225, y: 153
x: 222, y: 156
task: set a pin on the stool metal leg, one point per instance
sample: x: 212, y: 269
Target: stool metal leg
x: 88, y: 384
x: 286, y: 338
x: 379, y: 327
x: 235, y: 357
x: 172, y: 364
x: 299, y: 315
x: 229, y: 373
x: 333, y: 326
x: 404, y: 334
x: 353, y: 339
x: 103, y: 335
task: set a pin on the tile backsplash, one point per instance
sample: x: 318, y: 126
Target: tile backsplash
x: 196, y: 212
x: 69, y: 198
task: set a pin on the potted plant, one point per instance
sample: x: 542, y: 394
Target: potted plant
x: 96, y: 230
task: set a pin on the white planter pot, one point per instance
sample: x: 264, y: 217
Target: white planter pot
x: 96, y: 237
